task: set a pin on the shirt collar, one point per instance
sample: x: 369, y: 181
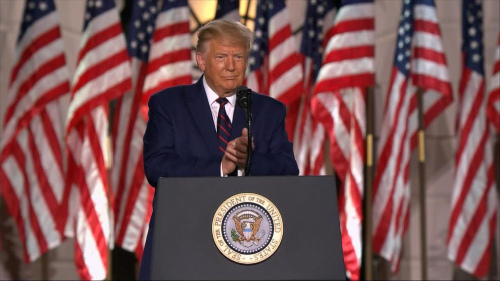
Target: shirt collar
x: 212, y: 96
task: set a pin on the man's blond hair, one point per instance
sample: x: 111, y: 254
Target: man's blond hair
x: 226, y: 31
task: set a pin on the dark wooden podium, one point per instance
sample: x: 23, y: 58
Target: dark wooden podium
x: 184, y: 249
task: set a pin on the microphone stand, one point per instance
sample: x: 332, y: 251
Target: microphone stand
x: 248, y: 110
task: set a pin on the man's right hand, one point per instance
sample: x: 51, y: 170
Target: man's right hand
x: 228, y: 166
x: 236, y: 153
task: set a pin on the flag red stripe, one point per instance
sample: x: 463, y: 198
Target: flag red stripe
x: 180, y: 28
x: 279, y: 37
x: 496, y: 66
x: 319, y: 161
x: 426, y: 27
x: 81, y: 267
x: 20, y: 157
x: 52, y: 94
x: 14, y: 207
x: 391, y: 83
x: 137, y: 181
x: 169, y: 58
x: 359, y: 137
x: 469, y: 123
x: 475, y: 163
x: 44, y: 70
x: 134, y: 112
x: 291, y: 93
x: 413, y: 107
x: 430, y: 82
x: 51, y: 137
x: 99, y: 99
x: 406, y: 220
x: 350, y: 259
x: 322, y: 115
x: 399, y: 207
x: 64, y: 219
x: 475, y: 223
x: 436, y: 109
x: 342, y: 163
x: 385, y: 154
x: 464, y: 80
x: 92, y: 219
x: 36, y: 44
x: 385, y: 221
x: 493, y: 114
x: 345, y: 26
x: 429, y: 54
x: 338, y: 158
x: 282, y: 67
x: 140, y: 248
x: 100, y: 68
x: 361, y: 80
x: 484, y: 263
x: 99, y: 38
x: 93, y: 136
x: 338, y: 55
x: 357, y: 197
x: 43, y: 183
x: 328, y: 35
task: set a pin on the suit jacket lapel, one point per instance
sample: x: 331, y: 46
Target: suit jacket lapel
x: 200, y: 110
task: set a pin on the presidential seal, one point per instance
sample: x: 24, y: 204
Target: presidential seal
x: 247, y: 228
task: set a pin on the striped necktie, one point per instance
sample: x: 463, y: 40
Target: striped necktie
x: 223, y: 125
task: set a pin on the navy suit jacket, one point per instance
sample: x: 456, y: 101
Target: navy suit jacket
x: 181, y: 141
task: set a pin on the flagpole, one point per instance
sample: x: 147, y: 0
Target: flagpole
x: 496, y: 179
x: 108, y: 163
x: 421, y: 170
x: 367, y: 213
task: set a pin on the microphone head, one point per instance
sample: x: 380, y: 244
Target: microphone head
x: 242, y: 93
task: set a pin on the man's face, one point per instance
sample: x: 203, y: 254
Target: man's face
x: 224, y: 65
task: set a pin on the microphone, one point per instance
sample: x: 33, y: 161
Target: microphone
x: 244, y: 100
x: 243, y: 97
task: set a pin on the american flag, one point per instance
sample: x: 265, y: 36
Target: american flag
x: 307, y: 134
x: 474, y: 198
x: 133, y: 195
x: 170, y: 56
x: 31, y: 164
x: 425, y: 68
x: 274, y: 63
x: 228, y: 10
x: 493, y: 110
x: 339, y: 103
x: 102, y: 74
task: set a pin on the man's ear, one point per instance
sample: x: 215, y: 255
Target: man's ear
x: 200, y: 61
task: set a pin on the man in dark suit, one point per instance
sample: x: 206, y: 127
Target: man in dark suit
x: 189, y: 134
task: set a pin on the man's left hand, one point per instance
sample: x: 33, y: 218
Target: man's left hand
x: 236, y: 149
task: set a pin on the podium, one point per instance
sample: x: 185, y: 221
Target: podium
x: 184, y: 247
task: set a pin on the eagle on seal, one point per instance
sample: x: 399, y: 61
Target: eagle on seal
x: 247, y: 228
